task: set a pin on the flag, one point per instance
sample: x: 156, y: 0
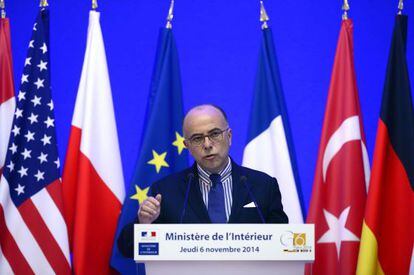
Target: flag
x: 7, y: 100
x: 388, y: 228
x: 270, y: 148
x: 162, y: 149
x: 342, y: 169
x: 93, y: 183
x: 33, y: 234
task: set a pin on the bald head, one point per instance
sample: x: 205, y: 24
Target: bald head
x: 204, y: 111
x: 208, y: 137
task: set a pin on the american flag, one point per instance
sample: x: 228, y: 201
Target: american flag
x: 33, y: 233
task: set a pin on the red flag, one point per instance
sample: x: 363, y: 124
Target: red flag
x: 93, y: 182
x: 342, y: 171
x: 7, y: 101
x: 388, y: 229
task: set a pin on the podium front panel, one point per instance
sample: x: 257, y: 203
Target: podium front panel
x: 224, y: 242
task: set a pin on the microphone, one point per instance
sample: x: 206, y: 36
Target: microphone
x: 243, y: 179
x: 190, y: 178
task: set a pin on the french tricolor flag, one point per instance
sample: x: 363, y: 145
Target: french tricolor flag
x: 269, y: 148
x: 93, y: 183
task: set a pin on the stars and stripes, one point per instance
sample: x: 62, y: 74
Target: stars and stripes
x: 33, y: 236
x: 31, y: 122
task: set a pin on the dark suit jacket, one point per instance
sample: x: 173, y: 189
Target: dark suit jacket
x: 173, y: 188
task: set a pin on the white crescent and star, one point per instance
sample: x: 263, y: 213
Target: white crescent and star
x: 337, y: 232
x: 348, y: 131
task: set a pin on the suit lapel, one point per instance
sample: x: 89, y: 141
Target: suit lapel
x: 195, y: 200
x: 240, y: 192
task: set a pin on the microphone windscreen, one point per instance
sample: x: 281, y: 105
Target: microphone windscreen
x: 190, y: 176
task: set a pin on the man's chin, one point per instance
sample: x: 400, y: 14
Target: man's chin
x: 211, y: 167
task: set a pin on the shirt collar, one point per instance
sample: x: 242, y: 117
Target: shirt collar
x: 205, y: 175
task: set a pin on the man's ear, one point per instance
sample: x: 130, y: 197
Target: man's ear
x: 229, y: 134
x: 186, y: 143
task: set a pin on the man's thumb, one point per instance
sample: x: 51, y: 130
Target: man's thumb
x: 158, y: 197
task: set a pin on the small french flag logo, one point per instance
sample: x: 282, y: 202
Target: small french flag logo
x: 148, y: 235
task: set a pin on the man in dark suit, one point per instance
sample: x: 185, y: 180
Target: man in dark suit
x: 215, y: 189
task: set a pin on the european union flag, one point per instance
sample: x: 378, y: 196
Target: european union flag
x: 162, y: 149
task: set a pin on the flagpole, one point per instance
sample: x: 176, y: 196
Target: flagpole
x: 43, y: 3
x: 2, y: 7
x: 263, y: 16
x: 94, y: 4
x: 345, y: 8
x: 400, y: 7
x: 170, y: 15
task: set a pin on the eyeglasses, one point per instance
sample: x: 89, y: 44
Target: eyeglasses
x: 215, y: 135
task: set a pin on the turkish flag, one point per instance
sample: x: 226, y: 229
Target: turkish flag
x: 342, y: 170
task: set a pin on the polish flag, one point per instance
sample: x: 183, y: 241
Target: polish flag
x: 93, y: 183
x: 7, y: 101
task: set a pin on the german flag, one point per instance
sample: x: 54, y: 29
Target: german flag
x: 388, y: 228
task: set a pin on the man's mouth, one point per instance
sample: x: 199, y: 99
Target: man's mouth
x: 210, y: 157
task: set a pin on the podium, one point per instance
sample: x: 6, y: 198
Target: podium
x: 215, y: 249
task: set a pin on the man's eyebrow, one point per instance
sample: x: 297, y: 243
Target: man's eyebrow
x: 215, y: 129
x: 194, y: 135
x: 200, y: 134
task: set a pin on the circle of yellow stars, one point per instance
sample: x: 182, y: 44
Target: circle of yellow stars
x: 158, y: 160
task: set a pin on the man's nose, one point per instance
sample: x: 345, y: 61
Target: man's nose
x: 207, y: 142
